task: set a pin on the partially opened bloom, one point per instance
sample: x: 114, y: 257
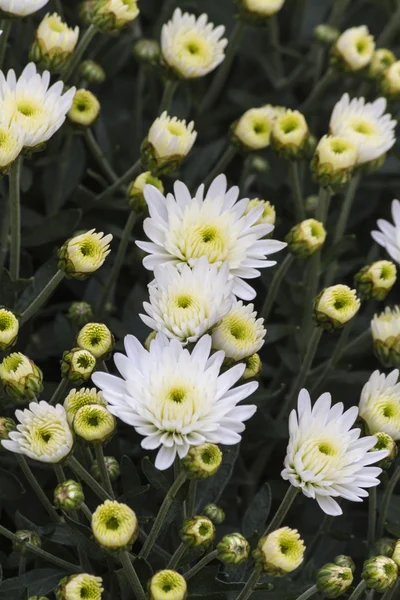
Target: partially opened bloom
x: 97, y: 339
x: 280, y: 552
x: 183, y: 229
x: 380, y: 404
x: 334, y: 160
x: 327, y: 459
x: 186, y: 302
x: 335, y: 306
x: 9, y: 327
x: 381, y: 60
x: 268, y: 214
x: 54, y: 42
x: 176, y: 399
x: 21, y: 8
x: 20, y: 377
x: 240, y: 333
x: 355, y: 48
x: 80, y: 586
x: 84, y: 253
x: 85, y: 108
x: 43, y: 433
x: 78, y: 398
x: 385, y: 329
x: 376, y: 280
x: 192, y: 47
x: 167, y: 585
x: 290, y: 135
x: 366, y: 125
x: 117, y: 13
x: 253, y: 129
x: 114, y: 525
x: 390, y: 84
x: 389, y: 235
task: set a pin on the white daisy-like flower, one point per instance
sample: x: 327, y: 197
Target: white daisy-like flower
x: 11, y: 144
x: 386, y: 325
x: 54, y: 35
x: 192, y: 47
x: 36, y: 109
x: 177, y: 399
x: 365, y: 125
x: 21, y: 8
x: 43, y: 433
x: 170, y: 136
x: 240, y: 334
x: 182, y: 229
x: 380, y: 404
x: 356, y: 47
x: 186, y: 302
x: 325, y: 457
x: 389, y: 235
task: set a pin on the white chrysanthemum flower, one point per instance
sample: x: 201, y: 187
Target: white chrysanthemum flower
x: 280, y: 552
x: 84, y: 253
x: 43, y: 433
x: 186, y: 302
x: 337, y: 152
x: 183, y: 229
x: 80, y: 586
x: 264, y: 8
x: 240, y: 334
x: 356, y: 47
x: 325, y: 457
x: 11, y: 144
x: 380, y: 404
x: 386, y: 325
x: 36, y: 109
x: 114, y: 525
x: 268, y: 214
x: 365, y: 125
x: 192, y: 47
x: 389, y: 235
x: 254, y: 127
x: 170, y: 136
x: 55, y: 35
x: 177, y: 399
x: 21, y: 8
x: 123, y: 11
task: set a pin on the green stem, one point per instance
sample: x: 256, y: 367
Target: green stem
x: 170, y: 88
x: 88, y: 479
x: 56, y: 197
x: 358, y: 591
x: 60, y: 391
x: 131, y: 173
x: 283, y: 509
x: 42, y: 297
x: 321, y: 214
x: 338, y: 11
x: 22, y: 565
x: 274, y: 35
x: 105, y: 478
x: 275, y: 285
x: 86, y: 511
x: 131, y: 576
x: 389, y: 31
x: 371, y: 519
x: 176, y: 557
x: 191, y: 499
x: 297, y: 19
x: 138, y: 108
x: 250, y: 584
x: 5, y: 26
x: 4, y: 234
x: 99, y: 156
x: 159, y: 520
x: 33, y: 482
x: 118, y: 262
x: 392, y: 593
x: 334, y: 357
x: 386, y: 501
x: 222, y: 74
x: 202, y: 563
x: 313, y: 545
x: 15, y: 219
x: 78, y: 54
x: 59, y: 471
x: 294, y: 175
x: 221, y: 165
x: 348, y: 350
x: 316, y: 92
x: 308, y: 593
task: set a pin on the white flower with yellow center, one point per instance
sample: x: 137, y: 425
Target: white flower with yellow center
x: 21, y: 8
x: 268, y: 215
x: 11, y: 144
x: 280, y: 552
x: 177, y: 399
x: 356, y: 47
x: 84, y: 253
x: 170, y: 136
x: 183, y: 229
x: 80, y: 586
x: 290, y: 133
x: 114, y: 525
x: 386, y: 325
x: 123, y: 11
x: 325, y: 457
x: 335, y: 306
x: 167, y: 585
x: 380, y: 404
x: 337, y: 152
x: 264, y: 8
x: 9, y: 328
x: 186, y: 302
x: 43, y: 433
x: 254, y: 127
x: 365, y: 125
x: 54, y: 35
x: 192, y: 47
x: 389, y: 235
x: 391, y: 80
x: 240, y: 334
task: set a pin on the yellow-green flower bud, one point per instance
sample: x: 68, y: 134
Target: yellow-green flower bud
x: 149, y: 339
x: 376, y: 280
x: 333, y: 580
x: 80, y: 313
x: 111, y: 15
x: 112, y: 468
x: 197, y: 531
x: 290, y: 135
x: 306, y: 238
x: 280, y: 552
x: 214, y: 513
x: 202, y: 461
x: 381, y: 60
x: 20, y: 377
x: 257, y: 12
x: 92, y: 71
x: 268, y: 215
x: 97, y: 339
x: 85, y: 108
x: 9, y: 327
x: 345, y: 561
x: 69, y: 495
x: 84, y: 254
x: 311, y: 203
x: 385, y: 329
x: 335, y: 306
x: 94, y: 424
x: 54, y: 43
x: 114, y: 525
x: 80, y: 586
x: 396, y: 552
x: 258, y: 164
x: 385, y: 442
x: 136, y: 199
x: 167, y: 585
x: 6, y: 425
x: 77, y: 365
x: 25, y: 536
x: 353, y: 50
x: 385, y: 547
x: 380, y: 573
x: 390, y: 83
x: 253, y: 130
x: 233, y: 549
x: 78, y: 398
x: 334, y: 161
x: 326, y: 34
x: 253, y: 366
x: 147, y: 51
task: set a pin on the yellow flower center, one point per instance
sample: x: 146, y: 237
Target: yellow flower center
x: 363, y: 127
x: 194, y: 49
x: 6, y: 321
x: 289, y: 124
x: 363, y: 46
x: 28, y: 108
x: 206, y: 240
x: 56, y: 25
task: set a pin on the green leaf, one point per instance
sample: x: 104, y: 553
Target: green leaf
x: 38, y: 581
x: 58, y: 228
x: 257, y: 512
x: 10, y: 486
x: 207, y: 582
x: 82, y: 536
x: 154, y: 476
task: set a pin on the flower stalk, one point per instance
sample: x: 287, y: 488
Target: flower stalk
x: 308, y: 593
x: 221, y: 165
x: 79, y: 52
x: 105, y: 478
x: 33, y: 482
x: 250, y: 584
x: 131, y: 173
x: 5, y: 27
x: 386, y: 501
x: 15, y: 219
x: 131, y: 576
x: 273, y: 289
x: 299, y: 210
x: 171, y: 85
x: 282, y: 510
x: 202, y: 563
x: 99, y: 156
x: 41, y: 298
x: 88, y: 479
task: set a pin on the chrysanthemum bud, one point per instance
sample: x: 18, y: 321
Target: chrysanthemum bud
x: 149, y: 339
x: 290, y: 135
x: 326, y: 34
x: 253, y: 367
x: 334, y: 160
x: 258, y: 12
x: 92, y: 71
x: 280, y: 552
x: 9, y: 327
x: 54, y: 43
x: 253, y: 130
x: 335, y: 306
x: 268, y: 215
x: 147, y: 51
x: 78, y: 398
x: 80, y: 313
x: 112, y: 15
x: 376, y: 280
x: 396, y: 552
x: 84, y: 254
x: 25, y: 536
x: 197, y: 531
x: 112, y: 468
x: 97, y: 339
x: 20, y: 377
x: 77, y: 365
x: 214, y: 513
x: 345, y: 561
x: 136, y: 199
x: 114, y: 525
x: 306, y: 238
x: 80, y: 586
x: 354, y: 49
x: 202, y: 461
x: 85, y: 108
x: 385, y: 442
x: 6, y: 425
x: 385, y: 329
x: 69, y: 495
x: 93, y: 423
x: 233, y: 549
x: 385, y: 547
x: 390, y: 83
x: 167, y: 585
x: 380, y: 573
x: 240, y: 333
x: 258, y: 164
x: 333, y: 580
x: 381, y: 60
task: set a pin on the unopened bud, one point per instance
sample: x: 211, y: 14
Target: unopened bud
x: 6, y: 425
x: 84, y: 254
x: 214, y: 513
x: 114, y: 525
x: 306, y: 238
x: 326, y: 34
x: 335, y: 306
x: 94, y: 424
x: 334, y: 161
x: 25, y: 536
x: 80, y: 313
x: 77, y: 365
x: 9, y: 327
x: 233, y: 549
x: 381, y: 60
x: 280, y: 552
x: 253, y: 367
x: 396, y: 552
x: 333, y: 580
x: 380, y: 573
x: 202, y: 461
x: 385, y: 329
x: 85, y: 108
x: 197, y: 531
x: 167, y: 585
x: 92, y: 71
x: 136, y: 199
x: 79, y: 586
x: 385, y: 442
x: 97, y: 339
x: 21, y: 379
x: 69, y: 495
x: 290, y: 135
x: 376, y: 280
x: 147, y: 51
x: 112, y: 468
x: 345, y: 561
x: 385, y: 547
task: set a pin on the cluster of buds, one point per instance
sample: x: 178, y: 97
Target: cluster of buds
x: 202, y: 461
x: 136, y: 199
x: 109, y: 15
x: 306, y: 238
x: 375, y: 281
x: 84, y: 110
x: 380, y: 573
x: 54, y: 43
x: 335, y: 306
x: 69, y: 495
x: 280, y: 552
x: 21, y: 379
